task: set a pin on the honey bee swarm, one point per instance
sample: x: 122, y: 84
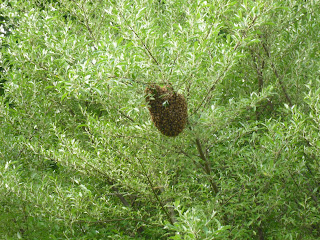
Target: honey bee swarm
x: 168, y: 109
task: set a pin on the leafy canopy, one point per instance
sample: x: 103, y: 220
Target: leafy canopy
x: 81, y: 159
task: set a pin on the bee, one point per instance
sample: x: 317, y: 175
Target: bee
x: 168, y: 109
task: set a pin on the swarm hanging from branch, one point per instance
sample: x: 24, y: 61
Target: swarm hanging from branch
x: 168, y: 109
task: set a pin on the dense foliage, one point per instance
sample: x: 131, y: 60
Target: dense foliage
x: 81, y: 159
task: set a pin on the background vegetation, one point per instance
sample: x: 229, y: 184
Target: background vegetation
x: 81, y: 159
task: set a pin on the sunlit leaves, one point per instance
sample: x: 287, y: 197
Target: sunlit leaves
x: 81, y: 158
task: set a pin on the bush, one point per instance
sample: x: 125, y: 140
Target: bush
x: 81, y: 159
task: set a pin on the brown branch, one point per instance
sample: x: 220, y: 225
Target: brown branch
x: 126, y: 116
x: 207, y: 167
x: 314, y: 198
x: 258, y: 70
x: 170, y: 215
x: 277, y: 75
x: 109, y: 220
x: 143, y: 44
x: 86, y: 22
x: 236, y: 193
x: 208, y: 33
x: 220, y: 76
x: 111, y: 184
x: 259, y: 66
x: 207, y: 96
x: 281, y: 84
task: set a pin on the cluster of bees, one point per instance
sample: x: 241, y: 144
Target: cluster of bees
x: 168, y: 109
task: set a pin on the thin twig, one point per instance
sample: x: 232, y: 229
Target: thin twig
x: 314, y: 198
x: 109, y: 220
x: 220, y: 76
x: 86, y: 22
x: 170, y: 217
x: 236, y: 193
x: 126, y: 116
x: 206, y: 166
x: 143, y: 44
x: 258, y: 70
x: 277, y: 75
x: 110, y: 182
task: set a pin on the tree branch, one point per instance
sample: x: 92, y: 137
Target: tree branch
x: 207, y: 167
x: 170, y: 215
x: 277, y: 75
x: 143, y: 44
x: 86, y: 22
x: 220, y: 76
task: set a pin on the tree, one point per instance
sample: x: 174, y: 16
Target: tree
x: 81, y: 158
